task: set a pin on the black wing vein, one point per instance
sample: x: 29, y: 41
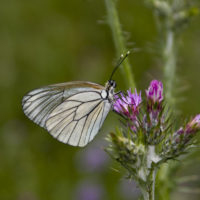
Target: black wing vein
x: 61, y: 121
x: 83, y: 129
x: 93, y: 125
x: 45, y: 106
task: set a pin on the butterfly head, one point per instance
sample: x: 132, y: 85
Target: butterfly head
x: 110, y: 85
x: 109, y: 88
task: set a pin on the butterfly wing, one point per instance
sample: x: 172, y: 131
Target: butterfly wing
x: 38, y: 103
x: 72, y: 112
x: 78, y: 119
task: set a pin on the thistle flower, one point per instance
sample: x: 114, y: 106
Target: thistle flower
x: 184, y: 134
x: 194, y: 125
x: 128, y: 106
x: 154, y: 140
x: 181, y: 140
x: 154, y: 95
x: 191, y: 127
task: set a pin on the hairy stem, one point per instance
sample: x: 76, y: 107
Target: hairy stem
x: 145, y: 194
x: 113, y: 21
x: 148, y: 192
x: 169, y: 59
x: 152, y: 193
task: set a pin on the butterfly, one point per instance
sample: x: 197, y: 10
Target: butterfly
x: 71, y: 112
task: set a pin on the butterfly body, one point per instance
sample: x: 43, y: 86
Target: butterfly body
x: 71, y: 112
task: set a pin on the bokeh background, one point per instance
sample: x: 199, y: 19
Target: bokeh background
x: 51, y: 41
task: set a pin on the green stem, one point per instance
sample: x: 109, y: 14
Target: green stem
x: 148, y: 193
x: 145, y: 194
x: 169, y: 55
x: 113, y: 21
x: 152, y: 193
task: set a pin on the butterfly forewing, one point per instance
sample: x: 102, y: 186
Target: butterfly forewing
x: 72, y: 112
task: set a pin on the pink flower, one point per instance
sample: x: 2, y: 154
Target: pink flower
x: 185, y: 133
x: 194, y: 125
x: 128, y: 105
x: 154, y: 96
x: 155, y: 91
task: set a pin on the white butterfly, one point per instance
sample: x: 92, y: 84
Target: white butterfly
x: 71, y: 112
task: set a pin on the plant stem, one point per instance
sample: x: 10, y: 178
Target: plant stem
x: 169, y: 59
x: 145, y: 194
x: 152, y: 194
x: 148, y: 193
x: 113, y: 21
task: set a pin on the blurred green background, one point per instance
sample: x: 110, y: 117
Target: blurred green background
x: 52, y: 41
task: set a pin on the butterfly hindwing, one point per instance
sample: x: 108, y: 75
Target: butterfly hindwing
x: 77, y: 120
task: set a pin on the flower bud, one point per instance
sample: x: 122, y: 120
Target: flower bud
x: 155, y: 92
x: 194, y: 125
x: 154, y: 96
x: 184, y: 134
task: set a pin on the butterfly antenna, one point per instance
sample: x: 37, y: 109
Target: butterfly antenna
x: 120, y: 61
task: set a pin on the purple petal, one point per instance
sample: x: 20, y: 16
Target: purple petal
x: 155, y: 91
x: 128, y: 105
x: 194, y: 125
